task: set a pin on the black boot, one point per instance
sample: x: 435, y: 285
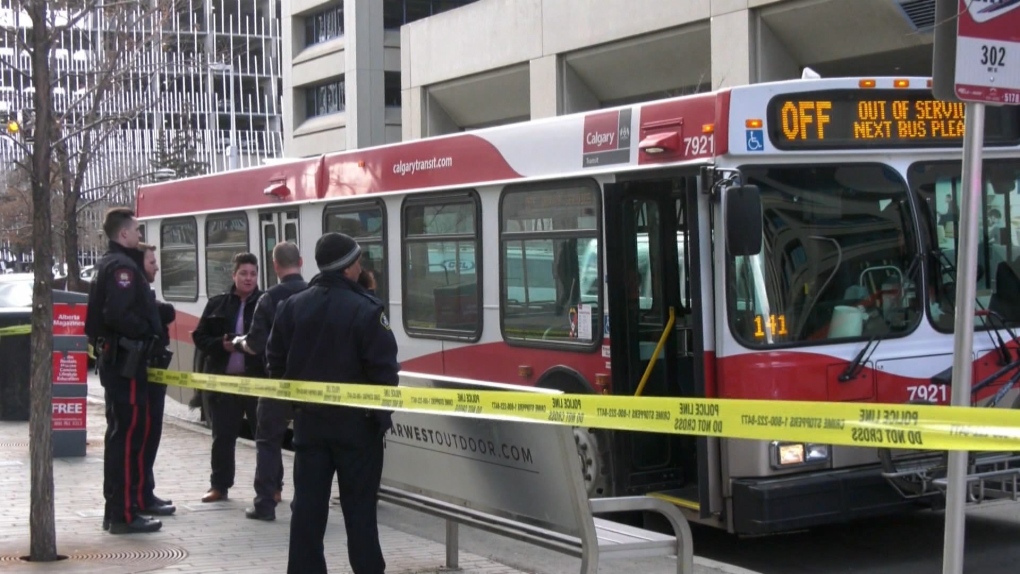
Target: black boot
x: 158, y: 510
x: 138, y: 524
x: 255, y: 514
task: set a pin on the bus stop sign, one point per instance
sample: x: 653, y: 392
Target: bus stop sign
x: 988, y: 51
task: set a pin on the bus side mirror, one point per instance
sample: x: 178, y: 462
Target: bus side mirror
x: 743, y: 220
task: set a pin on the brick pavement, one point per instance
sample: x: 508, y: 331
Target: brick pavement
x: 200, y: 538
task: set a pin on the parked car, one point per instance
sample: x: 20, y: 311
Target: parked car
x: 16, y: 290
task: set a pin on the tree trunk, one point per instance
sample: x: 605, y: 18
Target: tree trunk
x: 43, y: 546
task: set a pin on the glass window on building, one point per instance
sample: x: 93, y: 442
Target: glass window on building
x: 225, y: 236
x: 325, y: 99
x: 396, y: 13
x: 178, y: 259
x: 392, y: 89
x: 325, y: 25
x: 442, y: 292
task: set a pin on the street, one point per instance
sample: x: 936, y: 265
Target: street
x: 905, y: 544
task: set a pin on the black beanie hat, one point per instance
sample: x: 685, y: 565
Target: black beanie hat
x: 336, y: 252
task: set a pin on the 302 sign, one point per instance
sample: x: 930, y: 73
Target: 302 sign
x: 988, y: 40
x: 993, y: 55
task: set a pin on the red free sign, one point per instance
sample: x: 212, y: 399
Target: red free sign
x: 68, y: 413
x: 988, y: 51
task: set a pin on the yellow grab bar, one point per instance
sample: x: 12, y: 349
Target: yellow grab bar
x: 655, y: 355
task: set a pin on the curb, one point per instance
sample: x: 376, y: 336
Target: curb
x: 722, y: 566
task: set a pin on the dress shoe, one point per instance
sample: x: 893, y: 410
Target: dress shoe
x: 214, y: 495
x: 157, y: 501
x: 138, y: 524
x: 278, y: 496
x: 158, y: 510
x: 254, y: 514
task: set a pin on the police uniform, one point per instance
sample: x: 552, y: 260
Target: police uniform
x: 122, y: 322
x: 335, y: 331
x: 273, y: 414
x: 227, y: 411
x: 159, y: 359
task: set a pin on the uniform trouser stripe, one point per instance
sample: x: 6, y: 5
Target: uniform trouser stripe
x: 141, y: 461
x: 127, y: 453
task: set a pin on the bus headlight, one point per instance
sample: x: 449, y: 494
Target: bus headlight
x: 792, y: 454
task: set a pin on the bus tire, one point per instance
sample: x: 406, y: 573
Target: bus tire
x: 594, y: 446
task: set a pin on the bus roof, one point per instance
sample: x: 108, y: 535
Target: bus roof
x: 691, y: 129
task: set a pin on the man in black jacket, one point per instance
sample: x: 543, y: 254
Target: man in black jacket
x: 122, y: 322
x: 225, y: 317
x: 335, y: 331
x: 159, y: 359
x: 273, y: 414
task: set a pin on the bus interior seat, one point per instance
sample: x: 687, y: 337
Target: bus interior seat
x: 1006, y: 299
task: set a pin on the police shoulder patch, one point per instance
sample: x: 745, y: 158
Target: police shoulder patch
x: 124, y: 277
x: 384, y: 321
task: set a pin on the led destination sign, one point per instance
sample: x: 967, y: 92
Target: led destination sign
x: 878, y: 119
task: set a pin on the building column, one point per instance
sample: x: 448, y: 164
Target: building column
x: 364, y: 77
x: 411, y: 125
x: 746, y: 51
x: 556, y: 89
x: 545, y: 87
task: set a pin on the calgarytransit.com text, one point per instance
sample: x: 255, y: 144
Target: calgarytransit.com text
x: 410, y: 167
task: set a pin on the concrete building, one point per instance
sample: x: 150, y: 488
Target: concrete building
x: 502, y: 61
x: 341, y: 73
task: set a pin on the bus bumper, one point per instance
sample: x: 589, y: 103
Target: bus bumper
x: 770, y: 505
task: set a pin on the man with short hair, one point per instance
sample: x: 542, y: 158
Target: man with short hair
x: 122, y: 323
x: 335, y: 331
x: 273, y: 414
x: 225, y: 317
x: 159, y: 359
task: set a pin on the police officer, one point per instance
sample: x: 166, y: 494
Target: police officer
x: 335, y: 331
x: 159, y: 359
x: 123, y: 323
x: 273, y: 414
x: 225, y: 317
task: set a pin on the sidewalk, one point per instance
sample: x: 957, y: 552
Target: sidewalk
x: 201, y: 538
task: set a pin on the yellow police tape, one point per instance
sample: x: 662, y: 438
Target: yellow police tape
x: 925, y: 427
x: 15, y: 330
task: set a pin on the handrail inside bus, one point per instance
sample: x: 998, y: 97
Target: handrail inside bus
x: 655, y: 354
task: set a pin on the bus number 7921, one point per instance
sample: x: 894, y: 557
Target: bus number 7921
x: 699, y: 145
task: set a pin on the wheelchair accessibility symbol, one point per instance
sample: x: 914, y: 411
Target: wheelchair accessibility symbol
x: 755, y: 140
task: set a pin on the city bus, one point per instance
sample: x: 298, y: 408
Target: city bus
x: 783, y: 241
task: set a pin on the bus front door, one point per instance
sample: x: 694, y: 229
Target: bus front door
x: 274, y: 227
x: 651, y: 254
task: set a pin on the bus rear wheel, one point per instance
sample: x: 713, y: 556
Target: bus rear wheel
x: 593, y: 445
x: 593, y: 453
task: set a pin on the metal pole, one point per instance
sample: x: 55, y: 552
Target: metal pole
x: 966, y: 279
x: 234, y: 157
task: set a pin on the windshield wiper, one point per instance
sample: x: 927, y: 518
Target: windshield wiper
x: 857, y: 364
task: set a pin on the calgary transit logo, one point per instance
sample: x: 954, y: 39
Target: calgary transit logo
x: 606, y: 138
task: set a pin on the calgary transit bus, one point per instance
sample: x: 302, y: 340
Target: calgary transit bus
x: 787, y: 241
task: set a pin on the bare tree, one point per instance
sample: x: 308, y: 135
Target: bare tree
x: 70, y: 116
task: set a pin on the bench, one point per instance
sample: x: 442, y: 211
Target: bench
x: 520, y: 480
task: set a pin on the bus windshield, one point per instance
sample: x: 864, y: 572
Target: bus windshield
x: 938, y: 186
x: 838, y: 260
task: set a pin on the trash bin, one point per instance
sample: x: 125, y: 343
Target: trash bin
x: 15, y: 367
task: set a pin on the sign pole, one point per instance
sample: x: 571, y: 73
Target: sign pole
x: 963, y: 326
